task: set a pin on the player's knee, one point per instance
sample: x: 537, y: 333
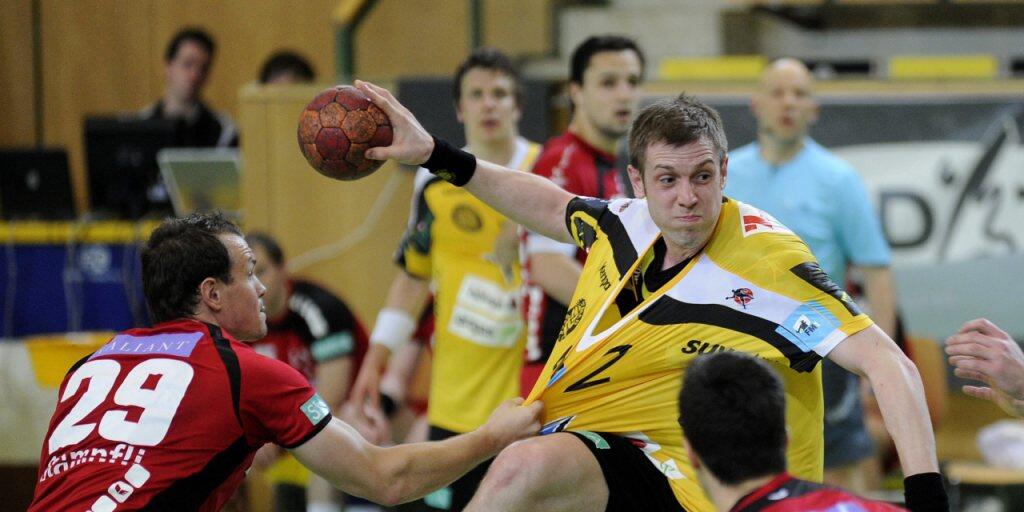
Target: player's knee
x: 523, y: 465
x: 507, y: 468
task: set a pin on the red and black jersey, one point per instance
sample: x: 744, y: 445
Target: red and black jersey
x: 315, y: 327
x: 168, y: 418
x: 787, y: 494
x: 579, y: 168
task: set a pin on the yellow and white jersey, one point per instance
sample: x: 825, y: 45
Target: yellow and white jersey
x: 618, y: 364
x: 469, y: 251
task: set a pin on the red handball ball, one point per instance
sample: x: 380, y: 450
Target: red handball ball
x: 337, y: 128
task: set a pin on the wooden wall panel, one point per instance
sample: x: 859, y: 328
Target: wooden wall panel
x: 411, y: 37
x: 96, y: 58
x: 16, y: 81
x: 521, y: 28
x: 431, y: 37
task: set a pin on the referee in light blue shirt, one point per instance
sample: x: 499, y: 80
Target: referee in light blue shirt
x: 822, y: 199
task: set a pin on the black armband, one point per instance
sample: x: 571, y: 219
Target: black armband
x: 450, y: 163
x: 924, y: 492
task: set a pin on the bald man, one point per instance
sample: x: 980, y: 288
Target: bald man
x: 823, y: 200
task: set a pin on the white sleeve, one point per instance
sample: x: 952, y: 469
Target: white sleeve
x: 420, y: 181
x: 539, y: 244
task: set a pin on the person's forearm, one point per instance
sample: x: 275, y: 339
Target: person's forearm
x: 408, y: 294
x: 413, y: 470
x: 557, y: 274
x: 529, y: 200
x: 881, y: 296
x: 897, y: 387
x: 396, y: 321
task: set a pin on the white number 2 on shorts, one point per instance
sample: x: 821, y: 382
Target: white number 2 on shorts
x: 158, y: 405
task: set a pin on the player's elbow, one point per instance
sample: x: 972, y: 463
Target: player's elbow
x: 394, y: 487
x: 891, y: 367
x: 390, y: 497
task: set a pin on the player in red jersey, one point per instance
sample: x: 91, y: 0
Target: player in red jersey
x: 604, y: 84
x: 169, y: 417
x: 733, y: 412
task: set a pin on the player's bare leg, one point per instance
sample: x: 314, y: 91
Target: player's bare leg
x: 550, y: 473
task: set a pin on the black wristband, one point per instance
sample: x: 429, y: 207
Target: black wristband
x: 924, y: 492
x: 388, y: 405
x: 450, y: 163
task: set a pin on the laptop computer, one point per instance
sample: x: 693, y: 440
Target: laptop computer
x: 124, y: 181
x: 200, y: 180
x: 35, y: 185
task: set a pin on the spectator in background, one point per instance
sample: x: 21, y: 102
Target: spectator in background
x: 982, y: 351
x: 286, y: 67
x: 313, y: 331
x: 823, y: 200
x: 604, y: 85
x: 733, y: 412
x: 187, y: 62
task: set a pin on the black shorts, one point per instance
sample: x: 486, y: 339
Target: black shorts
x: 633, y: 481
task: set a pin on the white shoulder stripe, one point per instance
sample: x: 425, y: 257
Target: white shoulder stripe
x: 807, y: 325
x: 636, y: 218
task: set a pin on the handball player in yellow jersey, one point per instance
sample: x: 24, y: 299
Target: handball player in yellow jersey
x: 681, y: 271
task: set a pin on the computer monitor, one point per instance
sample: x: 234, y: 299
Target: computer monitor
x: 35, y: 185
x: 201, y: 179
x: 124, y: 180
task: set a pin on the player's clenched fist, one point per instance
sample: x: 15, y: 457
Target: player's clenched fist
x: 411, y: 144
x: 513, y: 421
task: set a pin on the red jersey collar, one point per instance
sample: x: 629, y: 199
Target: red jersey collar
x: 184, y: 325
x: 762, y: 491
x: 599, y: 152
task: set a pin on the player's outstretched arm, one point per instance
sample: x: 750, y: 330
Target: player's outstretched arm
x: 396, y: 323
x: 982, y: 351
x: 402, y: 473
x: 529, y: 200
x: 897, y: 385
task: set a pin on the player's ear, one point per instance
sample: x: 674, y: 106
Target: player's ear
x: 725, y: 169
x: 694, y: 458
x: 574, y: 92
x: 458, y: 112
x: 637, y: 180
x: 210, y: 294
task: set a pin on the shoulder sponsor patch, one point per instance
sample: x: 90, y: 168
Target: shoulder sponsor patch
x: 754, y: 221
x: 315, y: 409
x: 808, y: 326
